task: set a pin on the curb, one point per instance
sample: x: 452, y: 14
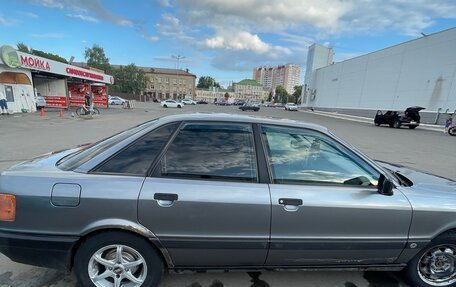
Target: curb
x: 360, y: 119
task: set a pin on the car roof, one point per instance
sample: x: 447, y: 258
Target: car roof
x: 223, y: 117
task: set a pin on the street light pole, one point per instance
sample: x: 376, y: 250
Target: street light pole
x: 178, y: 58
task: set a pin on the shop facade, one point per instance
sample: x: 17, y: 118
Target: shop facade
x: 24, y: 77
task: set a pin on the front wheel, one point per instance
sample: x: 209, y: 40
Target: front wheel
x: 80, y: 111
x: 115, y: 259
x: 435, y: 265
x: 396, y: 124
x: 165, y: 106
x: 179, y: 106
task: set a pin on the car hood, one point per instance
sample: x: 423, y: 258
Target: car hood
x: 422, y: 181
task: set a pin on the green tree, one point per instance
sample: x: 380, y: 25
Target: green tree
x: 271, y: 94
x: 47, y: 55
x: 96, y: 58
x: 281, y: 95
x: 297, y: 93
x: 129, y: 79
x: 205, y: 82
x: 22, y: 47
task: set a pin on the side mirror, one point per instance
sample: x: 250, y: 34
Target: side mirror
x: 385, y: 186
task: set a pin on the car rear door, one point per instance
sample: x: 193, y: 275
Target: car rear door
x: 325, y: 204
x: 205, y: 201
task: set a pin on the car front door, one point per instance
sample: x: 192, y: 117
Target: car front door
x: 204, y: 200
x: 325, y: 204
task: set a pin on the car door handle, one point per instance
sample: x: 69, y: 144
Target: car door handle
x: 165, y: 199
x: 166, y: 196
x: 290, y: 201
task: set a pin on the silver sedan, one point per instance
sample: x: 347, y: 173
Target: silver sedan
x: 216, y: 191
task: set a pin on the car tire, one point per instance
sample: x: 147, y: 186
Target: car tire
x: 165, y: 106
x: 452, y: 131
x: 441, y: 248
x: 412, y: 127
x: 396, y: 124
x: 179, y: 106
x: 105, y: 246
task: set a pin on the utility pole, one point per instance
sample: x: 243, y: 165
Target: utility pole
x: 178, y: 58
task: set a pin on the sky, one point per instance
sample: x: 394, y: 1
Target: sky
x: 224, y: 39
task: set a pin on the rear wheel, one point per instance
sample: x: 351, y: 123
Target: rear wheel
x: 115, y: 259
x: 435, y: 265
x: 165, y: 106
x: 179, y: 106
x: 397, y: 124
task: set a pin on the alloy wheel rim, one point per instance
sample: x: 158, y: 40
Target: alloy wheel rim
x: 117, y: 266
x: 437, y: 266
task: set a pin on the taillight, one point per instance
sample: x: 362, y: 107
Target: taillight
x: 7, y: 207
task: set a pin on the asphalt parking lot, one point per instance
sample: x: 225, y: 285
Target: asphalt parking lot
x: 27, y: 135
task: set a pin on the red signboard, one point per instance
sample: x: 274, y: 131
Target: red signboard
x: 76, y: 93
x: 55, y: 101
x: 100, y: 98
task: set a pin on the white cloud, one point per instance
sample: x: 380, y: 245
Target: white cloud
x: 83, y: 6
x: 29, y: 14
x: 164, y: 3
x: 82, y: 17
x: 242, y: 40
x: 170, y: 26
x: 320, y: 17
x: 272, y: 15
x: 48, y: 35
x: 151, y: 38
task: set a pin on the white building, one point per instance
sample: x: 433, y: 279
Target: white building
x: 420, y: 72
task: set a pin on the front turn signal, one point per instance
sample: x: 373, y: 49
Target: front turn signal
x: 7, y: 207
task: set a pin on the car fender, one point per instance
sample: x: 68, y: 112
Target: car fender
x: 127, y: 225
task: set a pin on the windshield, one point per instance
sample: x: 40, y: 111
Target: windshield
x: 74, y: 160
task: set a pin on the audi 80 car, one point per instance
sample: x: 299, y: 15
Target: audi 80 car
x: 215, y: 191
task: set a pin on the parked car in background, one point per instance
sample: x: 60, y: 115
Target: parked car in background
x: 40, y: 101
x: 250, y: 107
x: 410, y: 118
x: 239, y: 102
x: 115, y: 100
x: 171, y: 104
x: 202, y: 102
x: 291, y: 107
x: 222, y: 103
x: 188, y: 102
x: 216, y: 191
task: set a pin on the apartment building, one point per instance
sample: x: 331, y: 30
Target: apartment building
x: 287, y: 75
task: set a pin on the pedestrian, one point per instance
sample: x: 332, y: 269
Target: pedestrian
x: 3, y: 103
x: 448, y: 123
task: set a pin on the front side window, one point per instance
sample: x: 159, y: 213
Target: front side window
x: 298, y: 156
x: 218, y: 151
x: 137, y: 158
